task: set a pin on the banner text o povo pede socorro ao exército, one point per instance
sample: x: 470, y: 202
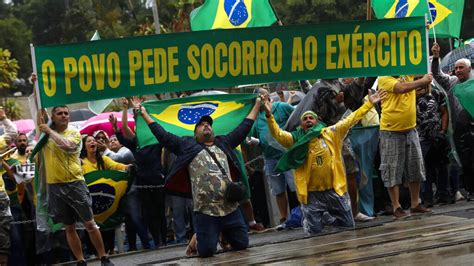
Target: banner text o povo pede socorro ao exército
x: 207, y: 59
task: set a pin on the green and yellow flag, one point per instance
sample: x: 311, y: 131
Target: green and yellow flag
x: 229, y: 14
x: 107, y: 188
x: 445, y: 14
x: 465, y: 93
x: 180, y: 115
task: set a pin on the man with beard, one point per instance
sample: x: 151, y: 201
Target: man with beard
x: 331, y: 99
x: 463, y: 123
x: 204, y: 168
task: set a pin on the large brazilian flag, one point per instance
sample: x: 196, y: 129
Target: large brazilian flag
x: 445, y: 14
x: 229, y: 14
x: 107, y: 188
x: 180, y: 115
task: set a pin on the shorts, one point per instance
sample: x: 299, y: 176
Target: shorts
x: 5, y: 220
x: 278, y: 181
x: 348, y: 156
x: 326, y: 208
x: 70, y: 202
x: 401, y: 157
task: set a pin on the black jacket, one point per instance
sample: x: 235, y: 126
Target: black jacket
x: 149, y: 170
x: 186, y: 148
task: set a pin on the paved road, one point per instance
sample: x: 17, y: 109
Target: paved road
x: 445, y: 237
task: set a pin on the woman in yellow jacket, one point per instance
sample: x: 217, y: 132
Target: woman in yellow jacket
x: 92, y: 161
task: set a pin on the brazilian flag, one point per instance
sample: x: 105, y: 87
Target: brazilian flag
x: 107, y: 188
x: 230, y: 14
x: 445, y: 14
x: 180, y: 115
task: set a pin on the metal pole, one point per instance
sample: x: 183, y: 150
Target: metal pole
x: 431, y: 19
x: 369, y: 9
x: 155, y: 17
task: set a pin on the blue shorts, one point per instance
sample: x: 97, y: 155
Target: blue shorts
x: 278, y: 181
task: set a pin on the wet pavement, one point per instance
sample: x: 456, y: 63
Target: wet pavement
x: 445, y: 237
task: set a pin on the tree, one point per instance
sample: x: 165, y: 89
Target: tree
x: 16, y: 36
x: 8, y: 69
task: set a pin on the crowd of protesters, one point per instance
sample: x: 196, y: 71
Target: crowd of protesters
x: 202, y: 190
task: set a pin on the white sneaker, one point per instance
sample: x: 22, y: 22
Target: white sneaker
x: 458, y: 196
x: 360, y: 217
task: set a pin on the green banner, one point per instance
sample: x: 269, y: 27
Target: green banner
x: 103, y: 69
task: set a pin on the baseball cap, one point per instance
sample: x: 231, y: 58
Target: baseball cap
x: 204, y: 118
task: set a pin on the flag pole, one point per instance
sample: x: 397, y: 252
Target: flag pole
x: 280, y: 23
x: 431, y: 19
x: 155, y: 17
x: 369, y: 9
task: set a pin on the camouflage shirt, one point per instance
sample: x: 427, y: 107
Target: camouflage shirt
x: 208, y: 184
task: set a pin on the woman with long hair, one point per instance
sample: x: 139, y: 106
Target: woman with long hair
x: 92, y: 161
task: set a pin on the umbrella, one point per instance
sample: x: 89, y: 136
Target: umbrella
x: 80, y: 115
x: 24, y: 125
x: 466, y: 51
x: 101, y: 122
x: 210, y: 92
x: 296, y: 99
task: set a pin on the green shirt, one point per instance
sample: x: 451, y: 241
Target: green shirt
x: 281, y: 112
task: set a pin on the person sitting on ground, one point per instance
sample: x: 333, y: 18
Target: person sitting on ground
x: 315, y: 152
x: 206, y: 165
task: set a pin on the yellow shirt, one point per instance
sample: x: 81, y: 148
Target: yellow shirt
x: 109, y: 164
x: 398, y: 109
x: 323, y: 168
x: 63, y: 166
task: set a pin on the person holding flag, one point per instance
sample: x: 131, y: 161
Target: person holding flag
x: 315, y: 152
x: 205, y: 167
x: 69, y: 198
x: 463, y: 123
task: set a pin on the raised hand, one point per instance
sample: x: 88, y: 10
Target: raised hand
x: 136, y: 101
x: 124, y: 101
x: 435, y: 49
x: 378, y: 96
x: 113, y: 121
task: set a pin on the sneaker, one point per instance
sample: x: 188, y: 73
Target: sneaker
x: 419, y: 209
x: 399, y: 213
x: 360, y: 217
x: 81, y: 263
x: 459, y: 196
x: 105, y: 261
x: 256, y: 227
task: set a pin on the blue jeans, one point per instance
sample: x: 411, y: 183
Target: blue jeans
x: 208, y: 229
x: 134, y: 222
x: 182, y: 212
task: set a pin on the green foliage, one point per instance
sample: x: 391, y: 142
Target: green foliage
x: 16, y: 36
x: 13, y: 109
x: 315, y: 11
x: 8, y: 69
